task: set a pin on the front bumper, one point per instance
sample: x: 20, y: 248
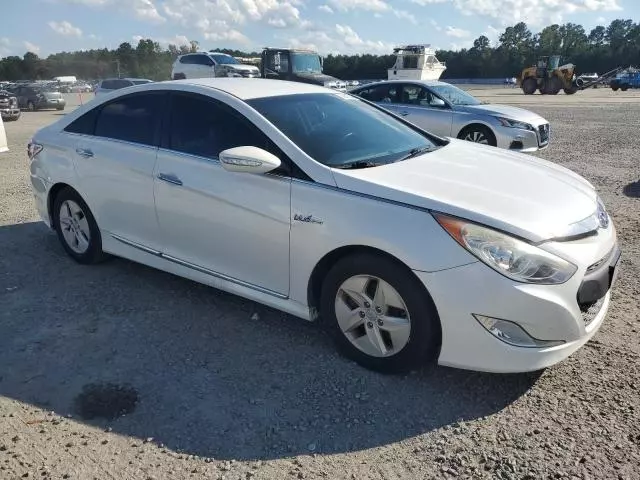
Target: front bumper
x: 52, y: 103
x: 545, y: 312
x: 10, y: 113
x: 521, y: 140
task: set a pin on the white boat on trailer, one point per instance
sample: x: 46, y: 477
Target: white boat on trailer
x: 415, y: 62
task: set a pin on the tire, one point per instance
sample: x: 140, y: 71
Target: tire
x: 179, y: 76
x: 415, y: 320
x: 554, y: 85
x: 529, y: 85
x: 59, y: 108
x: 83, y: 223
x: 31, y: 106
x: 478, y: 134
x: 570, y: 91
x: 624, y: 89
x: 615, y: 89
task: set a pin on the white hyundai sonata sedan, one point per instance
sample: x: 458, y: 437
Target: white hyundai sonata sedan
x: 406, y: 246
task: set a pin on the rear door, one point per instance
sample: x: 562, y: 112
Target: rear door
x: 114, y: 155
x: 203, y: 67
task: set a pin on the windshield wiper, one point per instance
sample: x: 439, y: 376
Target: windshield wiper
x: 357, y: 164
x: 415, y: 152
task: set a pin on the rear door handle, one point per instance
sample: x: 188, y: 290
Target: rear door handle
x: 84, y: 152
x: 169, y: 178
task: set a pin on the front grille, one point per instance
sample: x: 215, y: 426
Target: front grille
x: 591, y: 310
x: 543, y: 130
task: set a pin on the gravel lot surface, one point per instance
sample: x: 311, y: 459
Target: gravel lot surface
x: 213, y: 386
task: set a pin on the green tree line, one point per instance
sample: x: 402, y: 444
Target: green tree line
x: 599, y: 50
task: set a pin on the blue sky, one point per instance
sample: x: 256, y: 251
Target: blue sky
x: 347, y: 26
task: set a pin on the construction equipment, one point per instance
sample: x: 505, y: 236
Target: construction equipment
x: 549, y: 77
x: 628, y: 78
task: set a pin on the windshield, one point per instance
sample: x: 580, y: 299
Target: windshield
x: 454, y: 95
x: 224, y: 59
x: 306, y: 63
x: 340, y: 130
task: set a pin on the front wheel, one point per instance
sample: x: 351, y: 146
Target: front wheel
x: 529, y: 86
x: 478, y: 134
x: 379, y: 314
x: 76, y: 228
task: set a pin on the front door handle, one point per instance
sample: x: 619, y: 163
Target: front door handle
x: 170, y: 178
x: 84, y: 152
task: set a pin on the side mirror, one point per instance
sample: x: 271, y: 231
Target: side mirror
x: 248, y: 160
x: 438, y: 103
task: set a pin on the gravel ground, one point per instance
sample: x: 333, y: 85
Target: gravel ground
x: 202, y: 384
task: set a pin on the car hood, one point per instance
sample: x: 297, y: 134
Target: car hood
x: 510, y: 191
x: 242, y: 67
x: 507, y: 111
x: 318, y: 78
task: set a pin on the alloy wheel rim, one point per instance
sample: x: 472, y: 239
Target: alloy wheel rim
x: 372, y: 316
x: 477, y: 137
x: 74, y: 226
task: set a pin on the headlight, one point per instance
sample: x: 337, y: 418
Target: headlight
x: 513, y: 258
x: 508, y: 122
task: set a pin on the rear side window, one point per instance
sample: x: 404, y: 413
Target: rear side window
x: 203, y: 60
x: 84, y: 124
x: 133, y: 118
x: 204, y: 127
x: 187, y: 59
x: 107, y: 84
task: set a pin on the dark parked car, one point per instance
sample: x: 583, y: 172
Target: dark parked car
x: 35, y: 97
x: 9, y: 106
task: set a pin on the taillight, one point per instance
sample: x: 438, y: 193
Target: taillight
x: 33, y: 149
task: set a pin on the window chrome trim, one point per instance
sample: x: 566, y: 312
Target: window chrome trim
x: 198, y: 268
x: 109, y: 139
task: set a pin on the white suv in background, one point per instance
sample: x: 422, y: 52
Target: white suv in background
x: 210, y: 65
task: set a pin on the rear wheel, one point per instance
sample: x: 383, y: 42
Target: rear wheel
x: 379, y: 314
x: 570, y: 90
x: 76, y: 228
x: 615, y: 89
x: 529, y: 86
x: 478, y: 134
x: 179, y: 76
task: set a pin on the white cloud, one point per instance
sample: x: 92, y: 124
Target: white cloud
x: 404, y: 15
x: 493, y: 34
x: 460, y: 45
x: 533, y: 12
x: 65, y: 28
x: 325, y: 8
x: 341, y: 39
x: 456, y: 32
x: 370, y: 5
x: 435, y: 25
x: 428, y: 2
x: 601, y: 20
x: 31, y: 47
x: 141, y: 9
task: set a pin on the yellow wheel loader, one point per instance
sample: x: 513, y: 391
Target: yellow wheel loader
x: 549, y: 77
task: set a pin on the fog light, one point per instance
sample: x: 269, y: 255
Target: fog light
x: 512, y: 333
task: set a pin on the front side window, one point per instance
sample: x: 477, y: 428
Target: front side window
x: 454, y: 95
x: 204, y: 127
x: 278, y: 62
x: 132, y: 118
x: 203, y: 60
x: 342, y: 131
x: 108, y: 85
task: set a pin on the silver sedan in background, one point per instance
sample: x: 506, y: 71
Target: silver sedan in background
x: 448, y: 111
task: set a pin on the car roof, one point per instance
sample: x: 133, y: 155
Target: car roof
x: 249, y: 88
x: 427, y: 83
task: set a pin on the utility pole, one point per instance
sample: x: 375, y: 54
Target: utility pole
x: 118, y: 67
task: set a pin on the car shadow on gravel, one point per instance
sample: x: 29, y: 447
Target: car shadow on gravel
x: 632, y: 190
x: 204, y: 372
